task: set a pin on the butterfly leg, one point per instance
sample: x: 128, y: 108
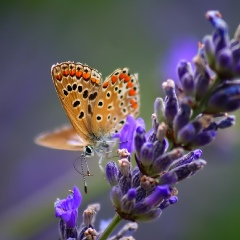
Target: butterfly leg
x: 100, y: 164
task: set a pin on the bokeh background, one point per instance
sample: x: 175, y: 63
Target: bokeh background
x: 149, y: 37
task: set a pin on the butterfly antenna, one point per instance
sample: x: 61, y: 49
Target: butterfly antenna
x: 84, y: 179
x: 82, y: 158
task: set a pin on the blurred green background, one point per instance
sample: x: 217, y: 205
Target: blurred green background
x: 149, y: 37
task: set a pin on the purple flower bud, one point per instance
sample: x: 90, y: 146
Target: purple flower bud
x: 168, y: 178
x: 189, y: 132
x: 131, y: 194
x: 203, y: 138
x: 168, y: 202
x: 188, y: 84
x: 129, y: 200
x: 163, y: 162
x: 188, y: 158
x: 202, y: 77
x: 227, y: 122
x: 146, y: 154
x: 125, y: 183
x: 116, y: 196
x: 225, y: 98
x: 182, y: 117
x: 136, y: 177
x: 158, y: 195
x: 171, y: 101
x: 139, y: 139
x: 215, y: 18
x: 112, y: 173
x: 159, y: 148
x: 183, y: 67
x: 224, y: 61
x: 212, y: 16
x: 197, y: 165
x: 67, y: 209
x: 187, y: 170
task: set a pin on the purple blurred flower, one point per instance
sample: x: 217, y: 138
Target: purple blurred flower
x: 67, y: 209
x: 180, y: 48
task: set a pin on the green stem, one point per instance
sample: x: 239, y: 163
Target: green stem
x: 115, y: 221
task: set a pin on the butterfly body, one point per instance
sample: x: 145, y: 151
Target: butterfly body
x: 96, y: 109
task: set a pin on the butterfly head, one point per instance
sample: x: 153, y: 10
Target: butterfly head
x: 88, y: 151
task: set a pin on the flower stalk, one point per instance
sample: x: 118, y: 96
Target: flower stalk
x: 112, y: 225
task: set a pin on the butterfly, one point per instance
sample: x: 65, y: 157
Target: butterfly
x: 96, y: 109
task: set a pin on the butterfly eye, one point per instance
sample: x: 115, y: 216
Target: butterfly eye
x: 88, y: 151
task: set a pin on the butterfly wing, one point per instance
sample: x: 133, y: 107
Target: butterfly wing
x: 118, y: 96
x: 77, y: 85
x: 64, y: 138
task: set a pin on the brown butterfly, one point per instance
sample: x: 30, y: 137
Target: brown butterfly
x: 95, y: 109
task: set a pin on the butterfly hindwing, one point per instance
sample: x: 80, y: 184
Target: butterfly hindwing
x: 64, y: 138
x: 118, y: 96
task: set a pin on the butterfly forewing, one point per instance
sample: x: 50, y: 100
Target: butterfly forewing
x: 118, y: 96
x: 77, y: 85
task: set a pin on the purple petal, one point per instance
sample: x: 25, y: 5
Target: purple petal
x: 77, y: 197
x: 127, y: 132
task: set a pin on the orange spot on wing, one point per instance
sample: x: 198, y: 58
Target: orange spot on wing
x: 86, y: 75
x: 79, y: 73
x: 132, y: 92
x: 97, y: 81
x: 65, y: 72
x: 133, y: 103
x: 59, y: 77
x: 72, y: 72
x: 129, y: 84
x: 105, y: 85
x: 122, y: 75
x: 127, y: 78
x: 114, y: 78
